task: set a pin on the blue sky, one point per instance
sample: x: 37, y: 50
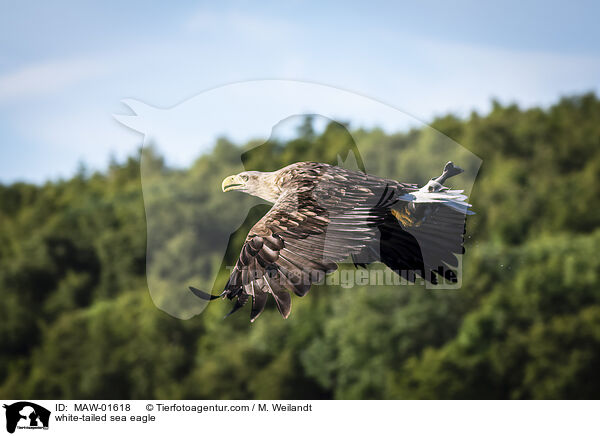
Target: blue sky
x: 65, y: 66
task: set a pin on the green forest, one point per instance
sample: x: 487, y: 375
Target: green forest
x: 77, y: 320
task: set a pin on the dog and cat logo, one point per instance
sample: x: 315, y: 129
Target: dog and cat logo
x: 26, y: 415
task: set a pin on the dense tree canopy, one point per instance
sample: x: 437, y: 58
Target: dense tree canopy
x: 77, y: 320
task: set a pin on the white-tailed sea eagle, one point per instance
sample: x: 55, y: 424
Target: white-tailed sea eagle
x: 323, y: 214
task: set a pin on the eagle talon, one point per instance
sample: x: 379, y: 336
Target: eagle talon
x: 450, y: 170
x: 203, y: 295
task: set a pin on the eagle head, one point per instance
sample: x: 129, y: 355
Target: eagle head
x: 257, y: 183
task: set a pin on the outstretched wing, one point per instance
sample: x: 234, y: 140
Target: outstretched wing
x: 330, y: 215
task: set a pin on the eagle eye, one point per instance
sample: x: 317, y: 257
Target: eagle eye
x: 244, y: 177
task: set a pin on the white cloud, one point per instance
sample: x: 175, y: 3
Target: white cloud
x: 49, y: 77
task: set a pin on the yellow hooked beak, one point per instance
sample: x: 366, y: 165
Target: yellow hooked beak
x: 232, y: 183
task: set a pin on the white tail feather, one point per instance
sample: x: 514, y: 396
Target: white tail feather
x: 433, y: 192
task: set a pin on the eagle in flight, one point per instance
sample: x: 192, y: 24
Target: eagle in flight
x: 323, y: 214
